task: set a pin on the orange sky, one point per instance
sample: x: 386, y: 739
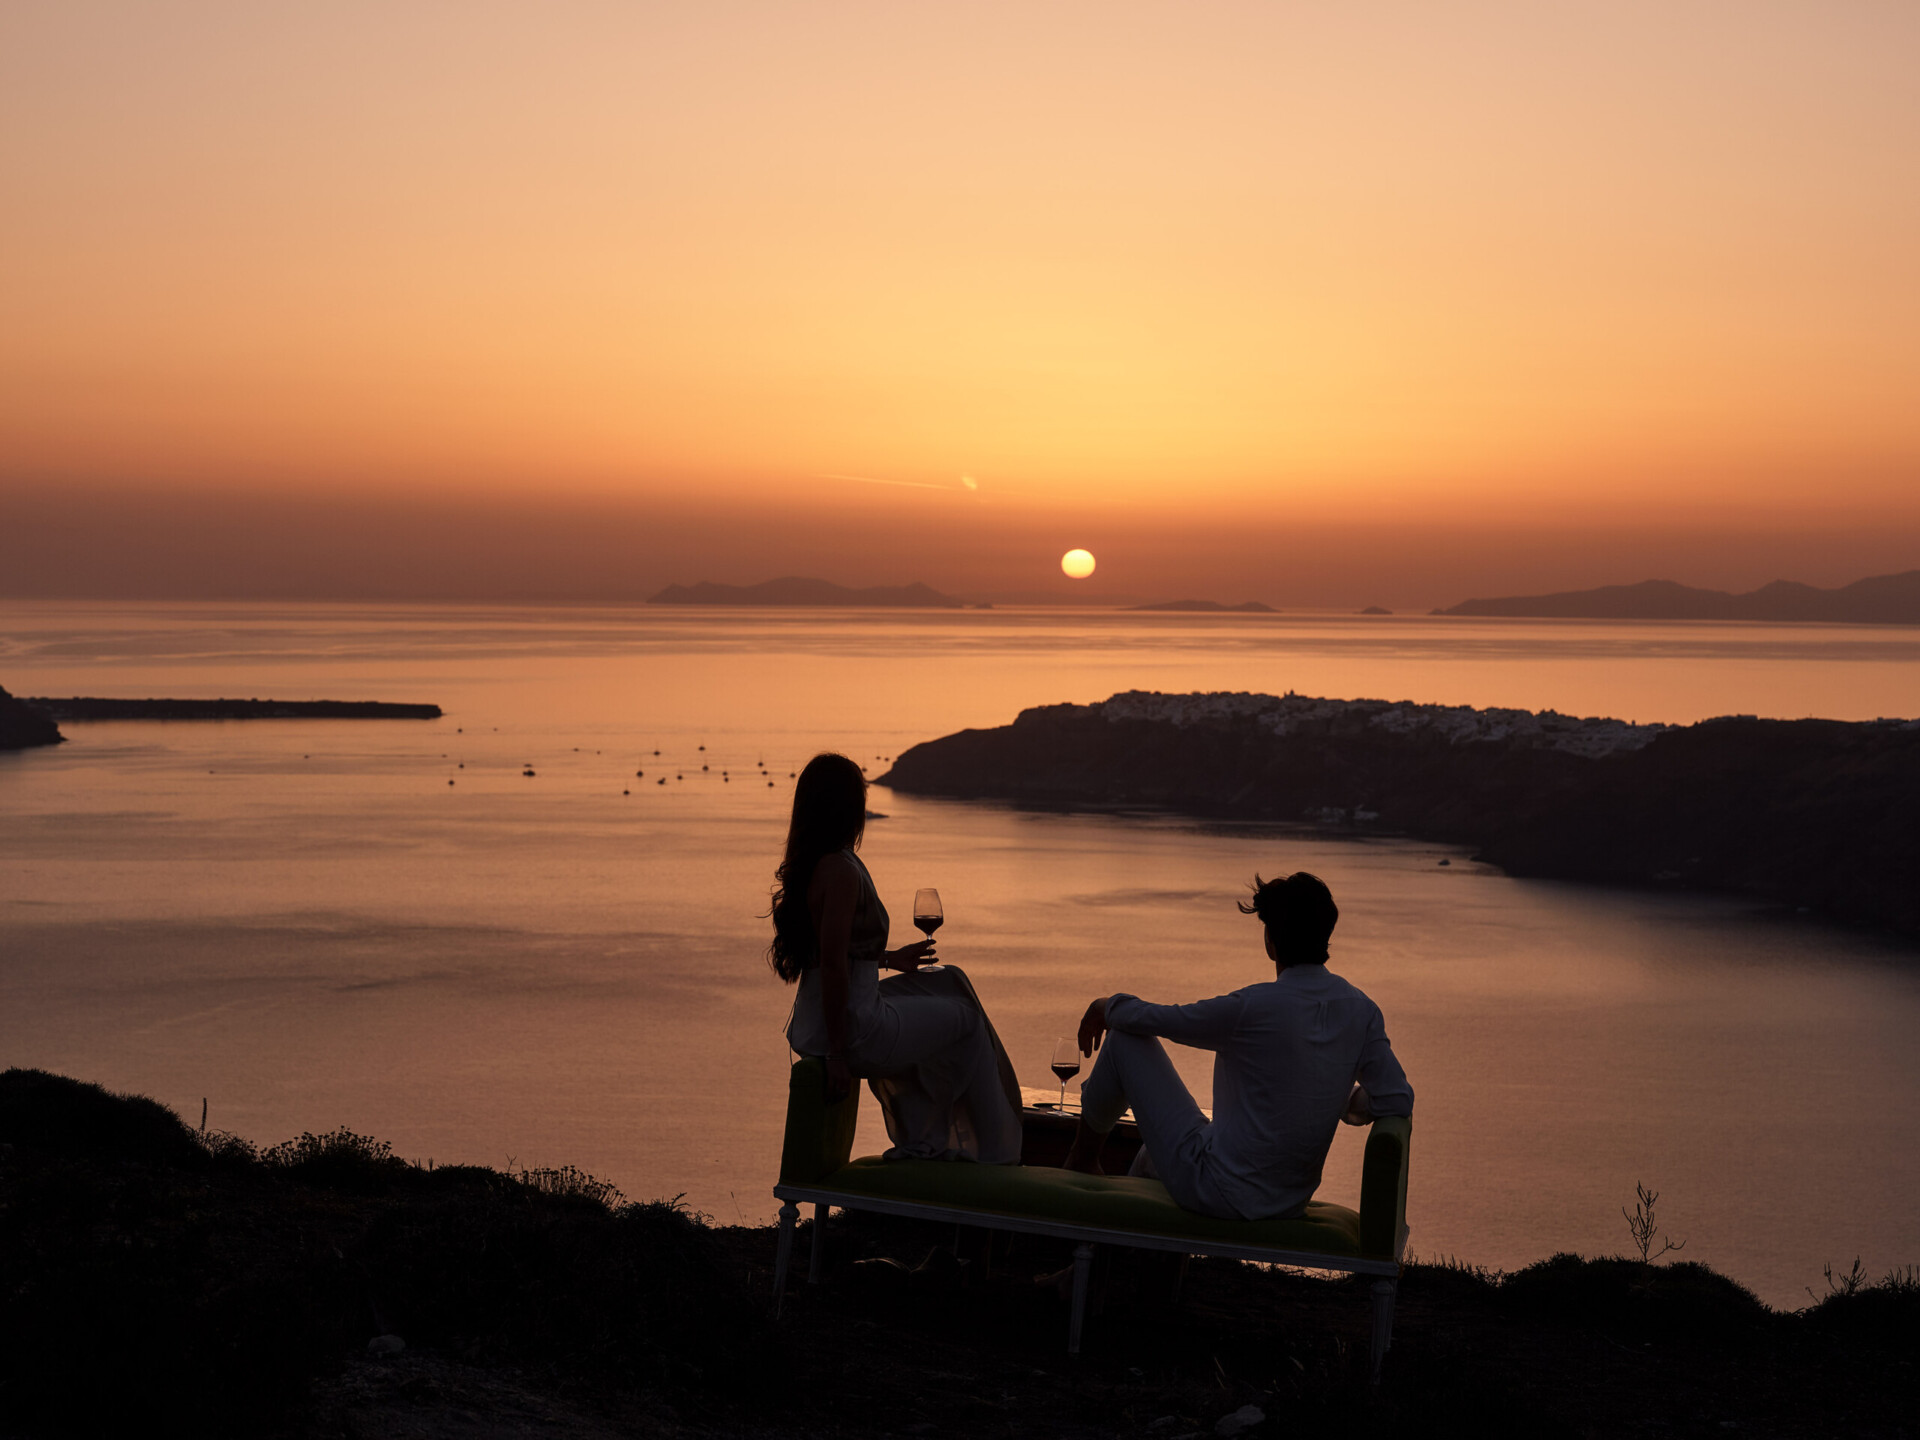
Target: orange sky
x: 1633, y: 271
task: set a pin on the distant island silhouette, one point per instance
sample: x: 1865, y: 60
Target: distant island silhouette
x: 1818, y: 814
x: 799, y: 590
x: 23, y: 725
x: 86, y: 708
x: 1210, y: 607
x: 1877, y: 600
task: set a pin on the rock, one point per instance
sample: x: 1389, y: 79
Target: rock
x: 1245, y: 1418
x: 22, y: 725
x: 393, y: 1345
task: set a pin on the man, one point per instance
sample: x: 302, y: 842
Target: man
x: 1293, y: 1057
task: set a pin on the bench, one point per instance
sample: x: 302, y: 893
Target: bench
x: 1123, y: 1210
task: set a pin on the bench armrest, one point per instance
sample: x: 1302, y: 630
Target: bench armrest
x: 1383, y: 1186
x: 819, y: 1138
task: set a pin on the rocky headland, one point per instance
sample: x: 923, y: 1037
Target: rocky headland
x: 1818, y: 814
x: 23, y: 726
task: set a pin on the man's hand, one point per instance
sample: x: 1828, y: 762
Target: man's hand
x: 1093, y: 1026
x: 911, y: 957
x: 1358, y: 1111
x: 839, y: 1079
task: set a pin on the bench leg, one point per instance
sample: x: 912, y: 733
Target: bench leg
x: 1383, y: 1297
x: 1082, y: 1269
x: 816, y: 1253
x: 783, y: 1254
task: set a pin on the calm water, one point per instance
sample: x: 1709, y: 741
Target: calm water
x: 305, y: 924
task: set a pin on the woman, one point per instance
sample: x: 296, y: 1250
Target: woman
x: 921, y: 1040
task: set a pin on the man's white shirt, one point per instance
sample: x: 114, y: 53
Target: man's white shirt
x: 1286, y: 1056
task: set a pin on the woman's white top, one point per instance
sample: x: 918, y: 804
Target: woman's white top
x: 866, y: 946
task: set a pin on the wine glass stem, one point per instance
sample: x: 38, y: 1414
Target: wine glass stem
x: 1063, y: 1094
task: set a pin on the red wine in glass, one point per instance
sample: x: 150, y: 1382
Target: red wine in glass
x: 1066, y: 1063
x: 927, y: 915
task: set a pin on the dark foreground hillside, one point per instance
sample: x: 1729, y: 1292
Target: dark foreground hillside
x: 154, y: 1281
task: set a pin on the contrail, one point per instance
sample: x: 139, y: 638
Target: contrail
x: 869, y: 480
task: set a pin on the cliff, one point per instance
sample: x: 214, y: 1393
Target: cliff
x: 23, y: 725
x: 1815, y: 813
x: 1877, y: 600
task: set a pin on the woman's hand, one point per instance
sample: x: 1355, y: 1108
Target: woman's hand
x: 839, y: 1079
x: 911, y: 957
x: 1093, y: 1026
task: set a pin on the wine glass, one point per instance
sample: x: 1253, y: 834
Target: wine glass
x: 1066, y: 1063
x: 928, y: 915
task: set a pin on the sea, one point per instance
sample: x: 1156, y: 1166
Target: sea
x: 532, y: 933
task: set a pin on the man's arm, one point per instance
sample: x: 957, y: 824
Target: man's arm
x: 1205, y: 1024
x: 1383, y: 1088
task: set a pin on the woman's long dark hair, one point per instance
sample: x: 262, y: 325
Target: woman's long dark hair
x: 829, y: 814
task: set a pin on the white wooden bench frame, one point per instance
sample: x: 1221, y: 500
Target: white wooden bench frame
x: 1386, y: 1272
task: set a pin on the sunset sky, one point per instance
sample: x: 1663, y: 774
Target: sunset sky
x: 1320, y: 304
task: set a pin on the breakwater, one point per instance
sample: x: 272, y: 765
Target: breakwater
x: 87, y: 708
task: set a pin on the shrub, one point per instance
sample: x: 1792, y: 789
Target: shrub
x: 339, y: 1160
x: 567, y: 1183
x: 1634, y: 1301
x: 1885, y: 1312
x: 57, y: 1116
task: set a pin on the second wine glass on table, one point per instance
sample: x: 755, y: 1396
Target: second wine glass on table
x: 928, y: 915
x: 1066, y: 1063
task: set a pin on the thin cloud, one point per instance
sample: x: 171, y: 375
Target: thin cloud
x: 908, y: 484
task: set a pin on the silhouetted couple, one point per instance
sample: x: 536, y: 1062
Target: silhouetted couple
x: 1293, y: 1055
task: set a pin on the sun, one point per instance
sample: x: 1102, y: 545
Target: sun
x: 1078, y: 564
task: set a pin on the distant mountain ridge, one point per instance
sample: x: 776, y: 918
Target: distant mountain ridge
x: 1877, y: 600
x: 799, y: 590
x: 1209, y: 607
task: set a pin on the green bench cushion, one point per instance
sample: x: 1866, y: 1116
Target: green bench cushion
x: 1108, y: 1202
x: 819, y: 1138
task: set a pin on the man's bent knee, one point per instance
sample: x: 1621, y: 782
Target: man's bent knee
x: 1124, y: 1045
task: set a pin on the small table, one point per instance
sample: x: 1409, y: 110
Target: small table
x: 1048, y: 1133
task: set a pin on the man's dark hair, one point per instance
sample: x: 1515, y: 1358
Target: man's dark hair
x: 1298, y: 912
